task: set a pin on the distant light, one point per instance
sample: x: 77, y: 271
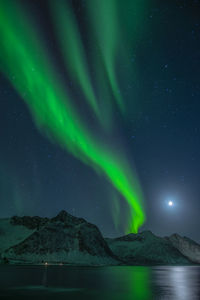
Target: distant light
x: 170, y: 203
x: 46, y: 263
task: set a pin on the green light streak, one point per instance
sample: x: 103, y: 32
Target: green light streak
x: 11, y: 189
x: 103, y: 15
x: 115, y: 209
x: 72, y: 50
x: 26, y: 64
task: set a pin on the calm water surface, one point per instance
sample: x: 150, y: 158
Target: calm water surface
x: 64, y: 282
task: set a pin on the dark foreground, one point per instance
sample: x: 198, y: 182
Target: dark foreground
x: 64, y: 282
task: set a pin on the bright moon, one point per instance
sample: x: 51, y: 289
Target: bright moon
x: 170, y: 203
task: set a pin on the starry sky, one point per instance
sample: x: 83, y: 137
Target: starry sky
x: 160, y: 131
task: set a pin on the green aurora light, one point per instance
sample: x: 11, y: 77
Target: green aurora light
x: 74, y: 56
x: 104, y: 21
x: 25, y: 62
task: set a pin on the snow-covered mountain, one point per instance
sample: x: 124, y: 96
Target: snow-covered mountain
x: 146, y: 248
x: 65, y: 239
x: 72, y: 240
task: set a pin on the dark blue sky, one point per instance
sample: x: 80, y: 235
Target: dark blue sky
x: 161, y: 133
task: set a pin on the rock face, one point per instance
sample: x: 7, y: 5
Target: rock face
x: 64, y: 238
x: 29, y: 222
x: 146, y: 248
x: 186, y: 246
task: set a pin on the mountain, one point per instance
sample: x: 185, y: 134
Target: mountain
x: 71, y: 240
x: 65, y: 239
x: 146, y: 248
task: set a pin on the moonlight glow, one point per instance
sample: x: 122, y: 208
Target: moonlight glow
x: 170, y: 203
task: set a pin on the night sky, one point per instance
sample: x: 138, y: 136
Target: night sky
x: 159, y: 131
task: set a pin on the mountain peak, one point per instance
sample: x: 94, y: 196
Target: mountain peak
x: 66, y: 218
x: 63, y: 215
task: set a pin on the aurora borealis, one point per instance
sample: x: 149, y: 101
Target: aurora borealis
x: 100, y: 112
x: 51, y: 105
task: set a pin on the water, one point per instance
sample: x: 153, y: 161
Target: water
x: 113, y: 283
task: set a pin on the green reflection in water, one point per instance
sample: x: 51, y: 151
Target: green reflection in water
x: 140, y: 288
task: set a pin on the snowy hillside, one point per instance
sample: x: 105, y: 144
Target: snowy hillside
x: 71, y: 240
x: 146, y: 248
x: 65, y: 239
x: 11, y: 235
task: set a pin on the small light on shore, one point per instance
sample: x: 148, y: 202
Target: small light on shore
x: 46, y: 263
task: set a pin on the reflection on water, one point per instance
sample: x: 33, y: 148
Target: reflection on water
x: 44, y: 277
x: 113, y: 283
x: 140, y: 288
x: 178, y: 283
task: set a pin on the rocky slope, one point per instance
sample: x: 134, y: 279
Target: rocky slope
x: 65, y: 239
x: 186, y: 246
x: 146, y: 248
x: 72, y: 240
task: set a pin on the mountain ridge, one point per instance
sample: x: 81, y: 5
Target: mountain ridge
x: 72, y: 240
